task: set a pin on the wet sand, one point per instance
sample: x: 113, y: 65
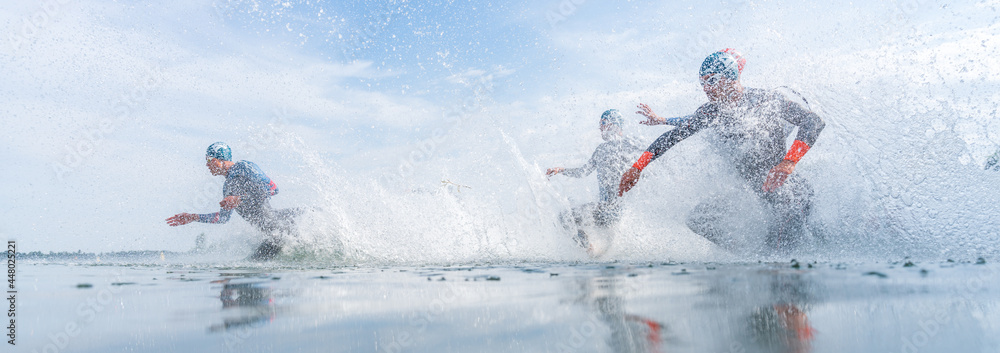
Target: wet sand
x: 555, y: 307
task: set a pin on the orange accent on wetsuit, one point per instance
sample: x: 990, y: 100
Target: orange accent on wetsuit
x: 798, y: 150
x: 643, y: 161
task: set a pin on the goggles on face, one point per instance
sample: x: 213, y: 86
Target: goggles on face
x: 717, y: 66
x: 711, y: 80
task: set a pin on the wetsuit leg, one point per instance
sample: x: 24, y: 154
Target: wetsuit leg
x: 791, y: 205
x: 578, y: 216
x: 708, y: 218
x: 276, y: 226
x: 284, y: 220
x: 606, y: 214
x: 267, y: 250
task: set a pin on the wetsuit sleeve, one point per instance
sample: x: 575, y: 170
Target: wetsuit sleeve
x: 677, y: 121
x: 671, y: 138
x: 219, y: 217
x: 809, y: 123
x: 583, y: 171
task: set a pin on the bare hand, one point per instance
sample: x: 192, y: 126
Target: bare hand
x: 230, y: 202
x: 651, y: 118
x: 777, y: 176
x: 629, y: 179
x: 553, y: 171
x: 181, y: 219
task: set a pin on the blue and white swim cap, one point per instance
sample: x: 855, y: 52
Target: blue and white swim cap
x: 219, y: 150
x: 612, y: 117
x: 723, y: 63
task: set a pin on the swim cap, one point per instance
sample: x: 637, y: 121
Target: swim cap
x: 219, y: 150
x: 740, y: 60
x: 613, y: 117
x: 720, y: 63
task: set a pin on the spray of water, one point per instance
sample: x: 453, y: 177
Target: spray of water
x: 907, y: 91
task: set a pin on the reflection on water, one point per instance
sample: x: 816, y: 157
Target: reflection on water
x: 245, y: 305
x: 782, y: 324
x: 947, y: 307
x: 758, y: 311
x: 628, y: 332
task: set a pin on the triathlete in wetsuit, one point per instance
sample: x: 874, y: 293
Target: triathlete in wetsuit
x: 248, y: 191
x: 610, y: 160
x: 748, y: 126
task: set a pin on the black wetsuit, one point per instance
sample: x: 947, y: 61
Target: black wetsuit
x: 751, y: 136
x: 246, y: 180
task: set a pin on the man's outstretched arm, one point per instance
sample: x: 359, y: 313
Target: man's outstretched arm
x: 184, y: 218
x: 809, y: 125
x: 218, y: 217
x: 181, y: 219
x: 655, y: 150
x: 579, y: 172
x: 583, y: 171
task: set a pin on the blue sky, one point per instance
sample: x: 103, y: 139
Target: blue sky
x: 109, y: 105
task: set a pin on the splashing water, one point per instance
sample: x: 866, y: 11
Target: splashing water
x: 417, y: 137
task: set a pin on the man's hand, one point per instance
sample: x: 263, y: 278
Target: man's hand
x: 651, y: 118
x: 230, y: 202
x: 777, y: 176
x: 181, y: 219
x: 628, y: 180
x: 553, y: 171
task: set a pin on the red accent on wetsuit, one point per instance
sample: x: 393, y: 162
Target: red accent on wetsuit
x: 274, y: 188
x: 643, y: 161
x: 798, y: 150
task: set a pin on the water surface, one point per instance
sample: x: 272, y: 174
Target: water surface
x: 545, y: 307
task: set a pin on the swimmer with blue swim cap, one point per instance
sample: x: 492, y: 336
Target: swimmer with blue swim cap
x: 610, y: 160
x: 248, y: 191
x: 749, y: 124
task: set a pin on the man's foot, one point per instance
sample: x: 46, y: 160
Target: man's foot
x: 267, y: 251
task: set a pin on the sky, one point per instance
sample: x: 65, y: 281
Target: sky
x: 109, y: 105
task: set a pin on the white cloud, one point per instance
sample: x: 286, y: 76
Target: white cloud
x: 78, y: 70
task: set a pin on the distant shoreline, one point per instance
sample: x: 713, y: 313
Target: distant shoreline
x: 89, y: 256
